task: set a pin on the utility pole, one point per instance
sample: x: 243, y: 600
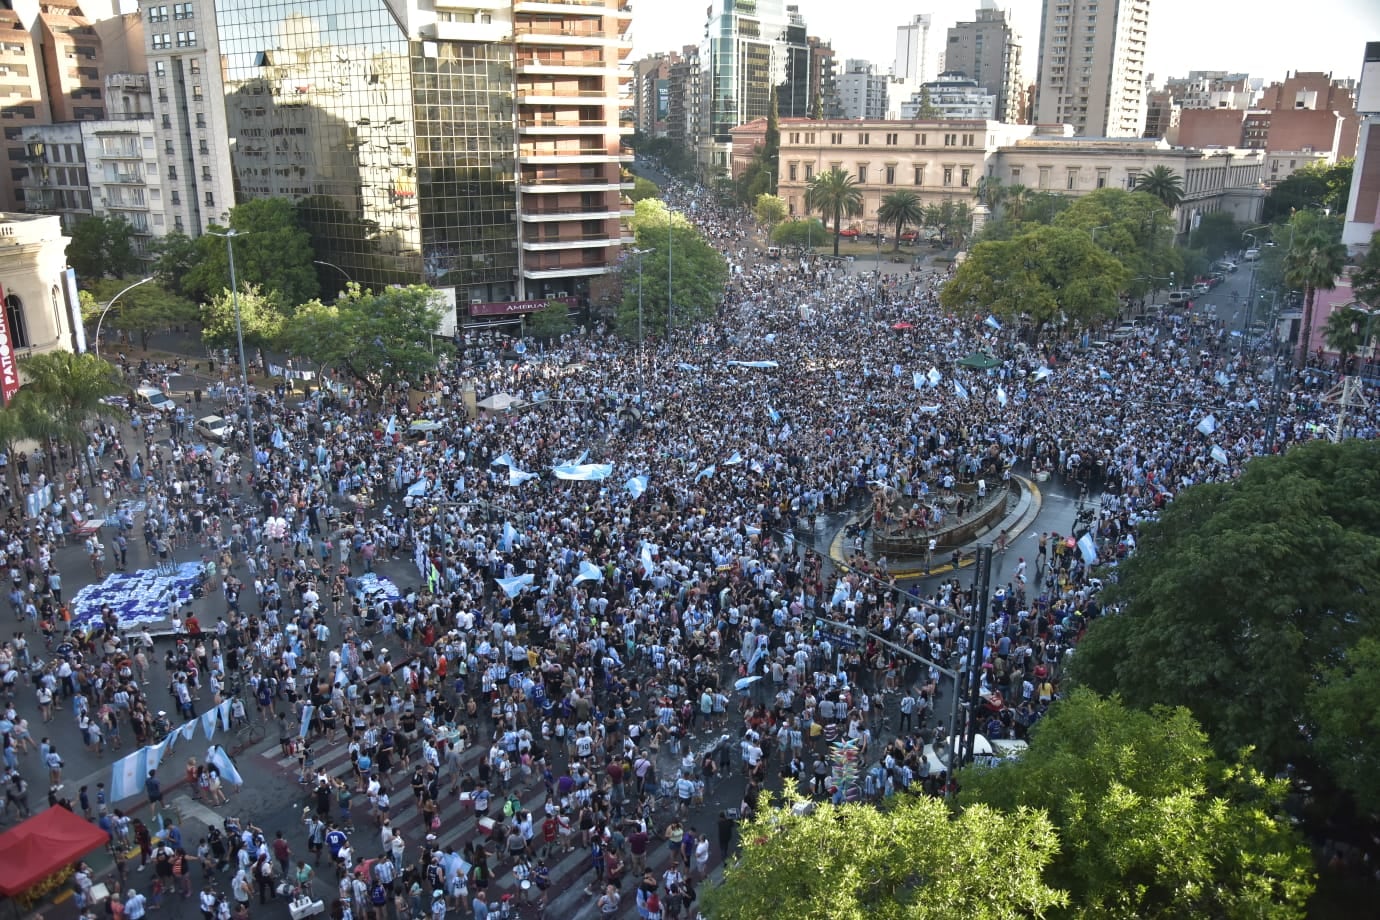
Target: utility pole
x: 982, y: 581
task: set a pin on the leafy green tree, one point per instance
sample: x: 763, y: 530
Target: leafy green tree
x: 805, y: 233
x: 1217, y: 234
x: 1348, y: 726
x: 65, y: 393
x: 377, y: 338
x: 550, y: 322
x: 909, y: 861
x: 173, y: 258
x: 698, y: 273
x: 1150, y: 823
x: 271, y: 250
x: 101, y: 247
x: 989, y: 192
x: 763, y: 172
x: 835, y: 194
x: 901, y: 209
x: 262, y: 316
x: 643, y: 188
x: 1241, y: 592
x: 1318, y: 185
x: 1365, y: 280
x: 1348, y: 332
x: 1133, y: 226
x: 1313, y: 261
x: 1048, y: 273
x: 141, y: 310
x: 1163, y: 183
x: 769, y: 210
x: 1014, y: 200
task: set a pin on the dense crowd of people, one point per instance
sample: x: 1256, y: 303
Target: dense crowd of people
x: 668, y: 631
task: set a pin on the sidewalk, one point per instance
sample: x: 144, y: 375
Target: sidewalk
x: 1015, y: 522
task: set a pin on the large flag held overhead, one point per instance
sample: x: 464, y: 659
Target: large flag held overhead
x: 760, y: 365
x: 517, y: 477
x: 960, y: 390
x: 734, y: 460
x: 1001, y: 395
x: 583, y: 472
x: 934, y: 376
x: 648, y: 565
x: 993, y: 322
x: 706, y: 473
x: 636, y: 486
x: 917, y: 379
x: 1219, y: 455
x: 589, y: 572
x: 515, y: 585
x: 1208, y: 424
x: 1088, y: 547
x: 504, y: 460
x: 510, y: 538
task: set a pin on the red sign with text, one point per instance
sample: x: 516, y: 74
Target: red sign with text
x: 513, y: 307
x: 9, y: 367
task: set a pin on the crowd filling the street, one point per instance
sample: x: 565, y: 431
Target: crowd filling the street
x: 559, y: 651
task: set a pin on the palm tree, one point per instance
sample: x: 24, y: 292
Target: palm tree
x: 1347, y: 332
x: 989, y: 192
x: 1164, y: 184
x: 834, y: 193
x: 901, y: 209
x: 66, y: 391
x: 1014, y: 200
x: 960, y: 223
x: 1314, y: 260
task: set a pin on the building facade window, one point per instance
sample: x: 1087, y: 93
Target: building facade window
x: 919, y: 175
x: 792, y: 170
x: 890, y: 174
x: 862, y: 174
x: 14, y: 315
x: 948, y: 176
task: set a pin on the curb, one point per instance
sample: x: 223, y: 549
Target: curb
x: 1015, y: 524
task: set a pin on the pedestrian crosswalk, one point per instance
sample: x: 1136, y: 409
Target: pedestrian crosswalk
x: 570, y: 872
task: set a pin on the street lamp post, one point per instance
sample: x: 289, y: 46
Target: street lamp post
x: 101, y: 318
x: 640, y: 372
x: 334, y: 266
x: 229, y: 236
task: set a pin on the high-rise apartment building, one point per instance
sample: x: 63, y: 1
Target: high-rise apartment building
x: 1092, y: 66
x: 824, y: 87
x: 862, y: 91
x: 473, y: 145
x: 651, y: 91
x: 793, y: 92
x: 742, y: 61
x: 917, y: 50
x: 684, y: 98
x: 988, y: 52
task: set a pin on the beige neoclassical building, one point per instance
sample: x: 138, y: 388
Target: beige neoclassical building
x: 33, y: 273
x: 944, y: 159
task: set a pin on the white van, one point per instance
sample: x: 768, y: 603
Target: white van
x: 1250, y: 255
x: 1180, y: 297
x: 155, y: 398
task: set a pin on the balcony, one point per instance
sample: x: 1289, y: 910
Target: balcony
x: 545, y: 126
x: 556, y: 96
x: 569, y: 7
x: 125, y: 206
x: 577, y: 184
x: 558, y: 244
x: 468, y: 31
x: 544, y: 34
x: 568, y: 66
x: 472, y: 4
x: 566, y: 271
x: 547, y: 215
x: 123, y: 179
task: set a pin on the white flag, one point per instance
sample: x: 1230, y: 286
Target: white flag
x: 1208, y: 424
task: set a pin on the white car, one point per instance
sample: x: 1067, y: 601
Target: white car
x: 214, y: 428
x: 156, y: 399
x: 1251, y: 255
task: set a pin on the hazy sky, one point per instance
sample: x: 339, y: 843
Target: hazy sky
x: 1263, y: 39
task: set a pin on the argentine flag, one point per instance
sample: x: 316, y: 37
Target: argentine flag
x: 216, y: 757
x: 127, y: 778
x: 1208, y: 424
x: 734, y: 460
x: 1001, y: 396
x: 504, y: 460
x: 636, y: 486
x: 510, y: 538
x: 1088, y: 547
x: 960, y: 390
x: 515, y: 585
x: 589, y: 572
x: 648, y: 566
x: 517, y: 477
x: 706, y: 473
x: 993, y: 322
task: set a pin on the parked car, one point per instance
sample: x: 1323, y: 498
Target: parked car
x: 214, y: 428
x: 1123, y: 332
x: 910, y: 236
x: 1180, y: 297
x: 1251, y: 255
x: 850, y: 232
x: 1202, y: 287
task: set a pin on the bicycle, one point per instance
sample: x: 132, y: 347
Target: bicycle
x: 251, y: 732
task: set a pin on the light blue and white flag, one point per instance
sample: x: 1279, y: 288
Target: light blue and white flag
x: 1088, y: 547
x: 1208, y: 424
x: 216, y: 757
x: 392, y: 426
x: 584, y: 455
x: 589, y: 572
x: 510, y: 538
x: 160, y: 752
x: 706, y: 473
x: 127, y: 778
x: 1042, y: 373
x: 993, y: 322
x: 636, y: 486
x: 517, y: 477
x: 1219, y: 455
x: 307, y: 712
x: 734, y: 460
x: 1223, y: 379
x: 504, y: 460
x: 188, y: 730
x: 583, y: 472
x: 757, y: 467
x: 648, y: 565
x: 774, y: 415
x: 515, y: 585
x: 208, y: 723
x: 1001, y: 396
x: 760, y: 365
x: 960, y: 390
x: 917, y: 379
x: 928, y: 410
x: 687, y: 367
x: 842, y: 591
x: 1103, y: 374
x: 419, y: 488
x: 224, y: 711
x: 1254, y: 404
x: 934, y: 376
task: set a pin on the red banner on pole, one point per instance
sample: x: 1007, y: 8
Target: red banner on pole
x: 9, y: 367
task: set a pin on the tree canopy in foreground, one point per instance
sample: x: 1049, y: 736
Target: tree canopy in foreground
x: 912, y: 860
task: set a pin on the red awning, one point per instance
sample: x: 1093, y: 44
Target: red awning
x: 50, y: 840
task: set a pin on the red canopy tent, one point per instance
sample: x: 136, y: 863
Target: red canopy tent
x: 35, y: 849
